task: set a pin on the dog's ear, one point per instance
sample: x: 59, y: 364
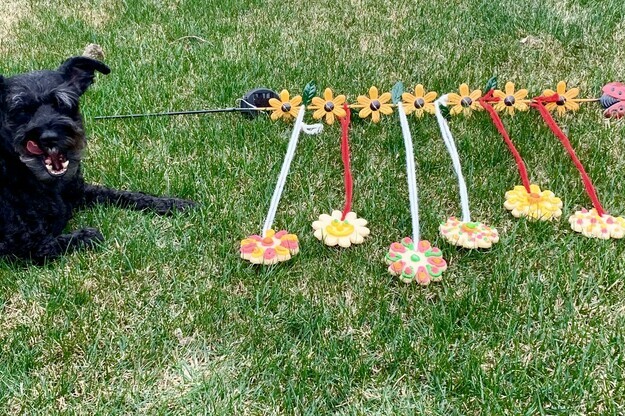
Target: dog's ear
x: 79, y: 71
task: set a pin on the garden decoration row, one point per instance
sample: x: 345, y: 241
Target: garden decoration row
x: 413, y: 259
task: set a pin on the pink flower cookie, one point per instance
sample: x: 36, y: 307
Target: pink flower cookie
x: 272, y: 249
x: 332, y: 230
x: 421, y: 263
x: 591, y: 224
x: 469, y: 234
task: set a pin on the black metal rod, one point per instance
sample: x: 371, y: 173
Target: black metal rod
x: 177, y: 113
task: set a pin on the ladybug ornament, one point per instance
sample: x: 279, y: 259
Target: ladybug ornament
x: 613, y: 100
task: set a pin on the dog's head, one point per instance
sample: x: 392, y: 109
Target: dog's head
x: 39, y: 111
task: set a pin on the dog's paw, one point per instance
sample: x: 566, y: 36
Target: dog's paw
x: 87, y: 237
x: 53, y: 247
x: 167, y: 206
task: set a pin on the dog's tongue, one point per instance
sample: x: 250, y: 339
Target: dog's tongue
x: 33, y: 148
x: 56, y: 161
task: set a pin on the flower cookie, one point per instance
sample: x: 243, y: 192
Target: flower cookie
x: 469, y: 234
x: 536, y: 205
x: 591, y: 224
x: 332, y: 230
x: 272, y: 249
x: 420, y: 262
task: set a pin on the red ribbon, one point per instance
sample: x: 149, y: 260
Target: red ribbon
x: 484, y: 101
x: 539, y: 104
x: 349, y: 184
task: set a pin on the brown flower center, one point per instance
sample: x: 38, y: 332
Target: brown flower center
x: 375, y: 105
x: 466, y: 102
x: 329, y: 106
x: 419, y: 103
x: 509, y: 100
x: 286, y: 107
x: 561, y: 100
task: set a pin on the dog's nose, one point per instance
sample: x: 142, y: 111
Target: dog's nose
x: 48, y: 138
x: 49, y: 135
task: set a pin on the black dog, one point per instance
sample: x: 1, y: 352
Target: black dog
x: 41, y: 183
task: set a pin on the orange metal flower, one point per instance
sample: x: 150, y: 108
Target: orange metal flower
x: 328, y: 107
x: 464, y: 102
x: 566, y: 99
x: 420, y: 102
x: 511, y: 100
x: 285, y: 107
x: 373, y: 105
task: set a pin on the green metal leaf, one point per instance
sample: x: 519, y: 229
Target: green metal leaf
x: 310, y: 90
x: 491, y: 84
x: 397, y: 91
x: 445, y: 112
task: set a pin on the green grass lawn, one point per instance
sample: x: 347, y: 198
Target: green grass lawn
x: 164, y: 318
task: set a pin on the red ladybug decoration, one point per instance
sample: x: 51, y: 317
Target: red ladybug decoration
x: 613, y: 100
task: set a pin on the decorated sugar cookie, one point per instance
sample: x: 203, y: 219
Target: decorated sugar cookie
x: 271, y: 249
x: 420, y: 263
x: 591, y: 224
x: 535, y: 205
x: 332, y: 230
x: 468, y: 234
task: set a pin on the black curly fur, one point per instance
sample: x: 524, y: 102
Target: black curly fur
x: 41, y: 183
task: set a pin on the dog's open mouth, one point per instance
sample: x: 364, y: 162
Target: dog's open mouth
x: 55, y: 162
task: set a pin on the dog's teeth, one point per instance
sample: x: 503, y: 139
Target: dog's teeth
x: 48, y: 161
x: 65, y: 164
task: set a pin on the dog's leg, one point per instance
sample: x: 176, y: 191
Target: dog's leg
x: 53, y: 247
x: 139, y: 201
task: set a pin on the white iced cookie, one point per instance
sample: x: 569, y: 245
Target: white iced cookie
x: 332, y: 230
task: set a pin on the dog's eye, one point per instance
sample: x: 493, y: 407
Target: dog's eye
x: 62, y: 106
x: 23, y: 109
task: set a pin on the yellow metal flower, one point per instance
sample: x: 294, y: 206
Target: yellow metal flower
x: 285, y: 107
x: 373, y: 105
x: 511, y: 100
x: 536, y: 205
x: 465, y: 101
x: 419, y: 102
x: 566, y: 99
x: 328, y: 107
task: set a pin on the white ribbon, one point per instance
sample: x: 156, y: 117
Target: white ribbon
x: 290, y: 152
x: 410, y: 172
x: 455, y: 158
